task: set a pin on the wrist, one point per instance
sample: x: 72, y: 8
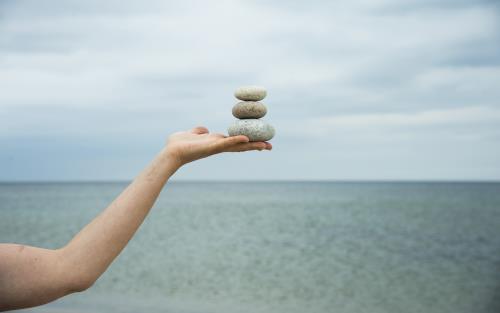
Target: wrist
x: 171, y: 158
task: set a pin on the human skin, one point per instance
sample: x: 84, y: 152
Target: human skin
x: 31, y: 276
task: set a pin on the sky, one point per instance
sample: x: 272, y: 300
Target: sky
x: 357, y: 90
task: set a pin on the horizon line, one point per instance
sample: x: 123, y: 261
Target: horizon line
x: 107, y: 181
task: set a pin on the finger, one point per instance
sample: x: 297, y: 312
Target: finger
x: 218, y: 135
x: 199, y: 130
x: 259, y: 145
x: 248, y: 146
x: 226, y: 143
x: 233, y: 140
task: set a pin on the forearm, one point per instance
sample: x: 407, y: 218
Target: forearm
x: 31, y: 276
x: 93, y: 249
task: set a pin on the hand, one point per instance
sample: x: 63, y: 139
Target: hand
x: 198, y: 143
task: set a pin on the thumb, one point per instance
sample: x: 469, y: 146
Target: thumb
x: 199, y: 130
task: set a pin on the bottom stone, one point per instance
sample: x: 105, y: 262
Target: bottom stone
x: 254, y: 129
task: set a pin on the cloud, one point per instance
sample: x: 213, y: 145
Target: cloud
x: 393, y: 122
x: 372, y: 70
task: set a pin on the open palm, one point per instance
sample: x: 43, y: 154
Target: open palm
x: 199, y: 143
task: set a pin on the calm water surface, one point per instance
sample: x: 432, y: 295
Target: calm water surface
x: 280, y: 247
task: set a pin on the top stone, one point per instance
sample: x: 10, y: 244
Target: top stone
x: 250, y: 93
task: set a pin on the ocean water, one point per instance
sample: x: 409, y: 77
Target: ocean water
x: 280, y: 246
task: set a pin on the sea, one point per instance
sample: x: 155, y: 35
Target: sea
x: 280, y: 247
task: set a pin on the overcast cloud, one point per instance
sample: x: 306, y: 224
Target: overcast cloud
x: 356, y: 89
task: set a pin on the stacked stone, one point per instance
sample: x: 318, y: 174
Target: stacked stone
x: 249, y: 111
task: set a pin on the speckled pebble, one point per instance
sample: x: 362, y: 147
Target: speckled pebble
x: 255, y: 130
x: 250, y: 93
x: 249, y: 109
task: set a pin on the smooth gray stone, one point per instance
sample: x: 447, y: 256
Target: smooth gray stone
x: 250, y: 93
x: 249, y: 109
x: 255, y: 130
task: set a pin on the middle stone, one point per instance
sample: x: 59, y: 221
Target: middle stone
x: 249, y: 109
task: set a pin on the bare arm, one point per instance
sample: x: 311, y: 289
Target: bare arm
x: 32, y: 276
